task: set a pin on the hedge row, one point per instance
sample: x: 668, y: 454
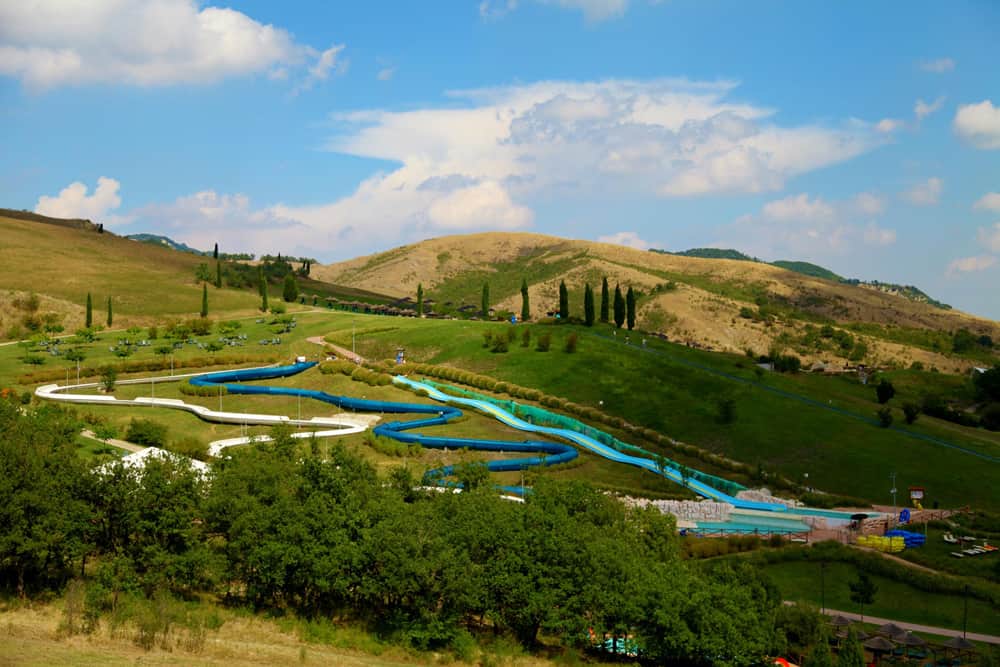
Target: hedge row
x: 591, y: 414
x: 373, y: 378
x: 141, y: 365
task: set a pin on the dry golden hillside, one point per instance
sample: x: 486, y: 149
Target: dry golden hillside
x: 693, y: 299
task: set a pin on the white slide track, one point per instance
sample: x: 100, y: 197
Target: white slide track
x: 338, y: 425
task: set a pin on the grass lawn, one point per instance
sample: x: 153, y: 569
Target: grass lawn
x: 800, y: 581
x: 936, y: 554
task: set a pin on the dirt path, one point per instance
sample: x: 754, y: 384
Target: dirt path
x: 341, y: 352
x: 121, y: 444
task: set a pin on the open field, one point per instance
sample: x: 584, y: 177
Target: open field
x: 800, y: 581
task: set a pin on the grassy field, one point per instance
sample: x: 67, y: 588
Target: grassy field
x: 671, y: 388
x: 936, y: 554
x: 678, y: 390
x: 800, y: 581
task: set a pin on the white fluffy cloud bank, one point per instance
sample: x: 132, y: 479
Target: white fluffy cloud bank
x: 988, y: 202
x: 627, y: 239
x: 74, y: 202
x: 979, y: 124
x: 971, y: 264
x: 49, y: 43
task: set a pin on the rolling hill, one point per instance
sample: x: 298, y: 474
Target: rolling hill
x: 719, y: 303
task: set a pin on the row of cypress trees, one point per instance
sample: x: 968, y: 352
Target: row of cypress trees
x: 624, y: 305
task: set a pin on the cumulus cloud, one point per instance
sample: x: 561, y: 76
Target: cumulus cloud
x: 889, y: 125
x: 206, y: 217
x: 923, y: 109
x: 971, y: 264
x: 327, y: 62
x: 989, y: 237
x: 988, y: 202
x: 74, y: 202
x: 49, y: 43
x: 979, y: 124
x: 927, y: 193
x: 482, y: 206
x: 627, y: 239
x: 804, y: 226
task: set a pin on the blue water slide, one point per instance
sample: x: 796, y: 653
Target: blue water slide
x: 551, y: 453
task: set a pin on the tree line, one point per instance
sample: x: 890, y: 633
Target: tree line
x: 281, y: 527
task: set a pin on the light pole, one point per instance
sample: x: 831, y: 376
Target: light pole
x: 965, y: 609
x: 892, y: 476
x: 822, y: 586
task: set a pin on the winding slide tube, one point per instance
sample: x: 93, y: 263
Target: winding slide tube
x: 554, y: 453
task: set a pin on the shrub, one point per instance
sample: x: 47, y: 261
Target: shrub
x: 786, y: 363
x: 526, y: 338
x: 499, y: 345
x: 146, y: 432
x: 884, y: 391
x: 884, y: 417
x: 487, y: 338
x: 910, y: 412
x: 991, y: 417
x: 571, y: 343
x: 544, y: 342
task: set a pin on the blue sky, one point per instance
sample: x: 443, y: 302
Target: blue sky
x: 861, y: 136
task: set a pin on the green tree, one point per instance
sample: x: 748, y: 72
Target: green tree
x: 911, y: 411
x: 988, y: 384
x: 884, y: 391
x: 863, y: 592
x: 485, y: 305
x: 262, y: 287
x: 819, y: 656
x: 630, y: 308
x: 90, y: 312
x: 110, y: 316
x: 420, y: 299
x: 619, y: 307
x: 525, y: 305
x: 204, y: 300
x: 605, y: 299
x: 472, y: 475
x: 291, y: 290
x: 563, y: 301
x: 588, y: 305
x: 218, y: 275
x: 851, y: 653
x: 109, y: 376
x: 215, y: 253
x: 884, y: 415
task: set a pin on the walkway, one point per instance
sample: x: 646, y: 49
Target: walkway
x: 915, y: 627
x: 341, y: 351
x: 120, y: 444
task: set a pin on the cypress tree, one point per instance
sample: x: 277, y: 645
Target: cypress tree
x: 215, y: 253
x: 204, y: 300
x: 110, y: 317
x: 525, y: 306
x: 605, y: 299
x: 588, y: 305
x: 262, y: 286
x: 420, y: 299
x: 563, y: 301
x: 630, y: 308
x: 218, y: 274
x: 486, y: 300
x: 90, y: 311
x: 291, y: 290
x: 619, y: 307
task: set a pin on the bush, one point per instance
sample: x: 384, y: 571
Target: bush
x: 499, y: 345
x: 991, y: 417
x: 786, y: 363
x: 544, y: 342
x: 146, y: 432
x: 571, y: 343
x: 884, y: 391
x: 526, y: 338
x: 910, y: 412
x: 884, y: 417
x: 487, y: 338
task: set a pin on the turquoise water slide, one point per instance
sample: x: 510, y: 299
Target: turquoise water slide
x: 550, y: 453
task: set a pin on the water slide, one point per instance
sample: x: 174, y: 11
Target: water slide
x: 550, y: 453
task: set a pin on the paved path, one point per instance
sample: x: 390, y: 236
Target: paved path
x: 121, y: 444
x: 943, y: 632
x: 343, y: 352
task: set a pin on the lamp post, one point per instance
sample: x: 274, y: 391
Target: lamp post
x: 892, y: 476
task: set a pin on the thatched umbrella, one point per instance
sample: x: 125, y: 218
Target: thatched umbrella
x: 892, y: 630
x: 860, y: 634
x: 910, y: 639
x: 959, y: 644
x: 879, y: 645
x: 839, y: 621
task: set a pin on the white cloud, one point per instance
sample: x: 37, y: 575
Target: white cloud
x: 979, y: 124
x: 990, y: 237
x: 482, y: 206
x: 971, y: 264
x: 923, y: 109
x: 889, y: 125
x: 327, y: 62
x: 73, y: 202
x: 593, y: 10
x: 803, y: 226
x: 386, y: 73
x: 879, y: 236
x: 938, y: 66
x: 207, y: 217
x: 989, y: 202
x: 927, y: 193
x: 49, y: 43
x: 627, y: 239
